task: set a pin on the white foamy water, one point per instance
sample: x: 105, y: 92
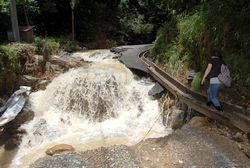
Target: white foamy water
x: 101, y: 105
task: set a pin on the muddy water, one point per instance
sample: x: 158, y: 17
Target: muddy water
x: 101, y: 105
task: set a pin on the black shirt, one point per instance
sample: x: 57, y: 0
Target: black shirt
x: 216, y: 66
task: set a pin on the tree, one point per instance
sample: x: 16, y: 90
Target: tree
x: 14, y: 20
x: 73, y: 5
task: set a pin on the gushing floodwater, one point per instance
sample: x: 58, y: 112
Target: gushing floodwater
x: 100, y: 105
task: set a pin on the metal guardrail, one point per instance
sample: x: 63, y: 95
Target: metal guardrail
x: 233, y: 115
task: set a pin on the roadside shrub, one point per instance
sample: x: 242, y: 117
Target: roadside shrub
x: 190, y: 27
x: 47, y: 46
x: 170, y: 57
x: 196, y: 83
x: 159, y: 45
x: 239, y: 67
x: 165, y: 36
x: 67, y: 44
x: 13, y: 53
x: 188, y: 59
x: 247, y: 82
x: 192, y: 36
x: 9, y: 52
x: 173, y: 57
x: 111, y: 43
x: 197, y: 31
x: 136, y: 24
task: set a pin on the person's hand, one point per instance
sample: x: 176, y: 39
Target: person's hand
x: 202, y: 81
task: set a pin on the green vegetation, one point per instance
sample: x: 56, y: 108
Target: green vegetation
x: 171, y: 56
x: 68, y: 45
x: 12, y: 58
x: 247, y: 82
x: 46, y: 46
x: 196, y: 83
x: 165, y: 36
x: 49, y: 45
x: 193, y: 34
x: 11, y: 54
x: 184, y: 32
x: 9, y: 58
x: 190, y: 27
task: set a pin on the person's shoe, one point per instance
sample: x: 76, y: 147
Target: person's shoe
x: 219, y: 108
x: 209, y: 103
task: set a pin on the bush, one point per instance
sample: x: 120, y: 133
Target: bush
x: 188, y: 59
x: 111, y: 43
x: 192, y: 36
x: 190, y: 27
x: 196, y: 83
x: 159, y: 45
x: 9, y: 52
x: 196, y: 32
x: 247, y: 81
x: 173, y: 57
x: 67, y: 44
x: 47, y: 46
x: 136, y: 24
x: 165, y: 36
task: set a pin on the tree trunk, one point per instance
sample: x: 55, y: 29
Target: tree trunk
x: 73, y: 26
x: 14, y: 21
x: 26, y: 16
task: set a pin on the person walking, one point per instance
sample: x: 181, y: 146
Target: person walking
x: 214, y: 69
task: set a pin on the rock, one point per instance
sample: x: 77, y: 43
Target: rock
x: 12, y: 143
x: 59, y: 149
x: 156, y: 91
x: 63, y: 160
x: 34, y: 64
x: 198, y: 122
x: 1, y: 131
x: 247, y: 154
x: 2, y: 101
x: 9, y: 81
x: 42, y: 84
x: 64, y: 54
x: 28, y: 80
x: 40, y: 127
x: 39, y: 60
x: 117, y: 50
x: 112, y: 157
x: 238, y: 137
x: 53, y: 68
x: 174, y: 118
x: 60, y: 62
x: 25, y: 115
x: 21, y: 131
x: 191, y: 147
